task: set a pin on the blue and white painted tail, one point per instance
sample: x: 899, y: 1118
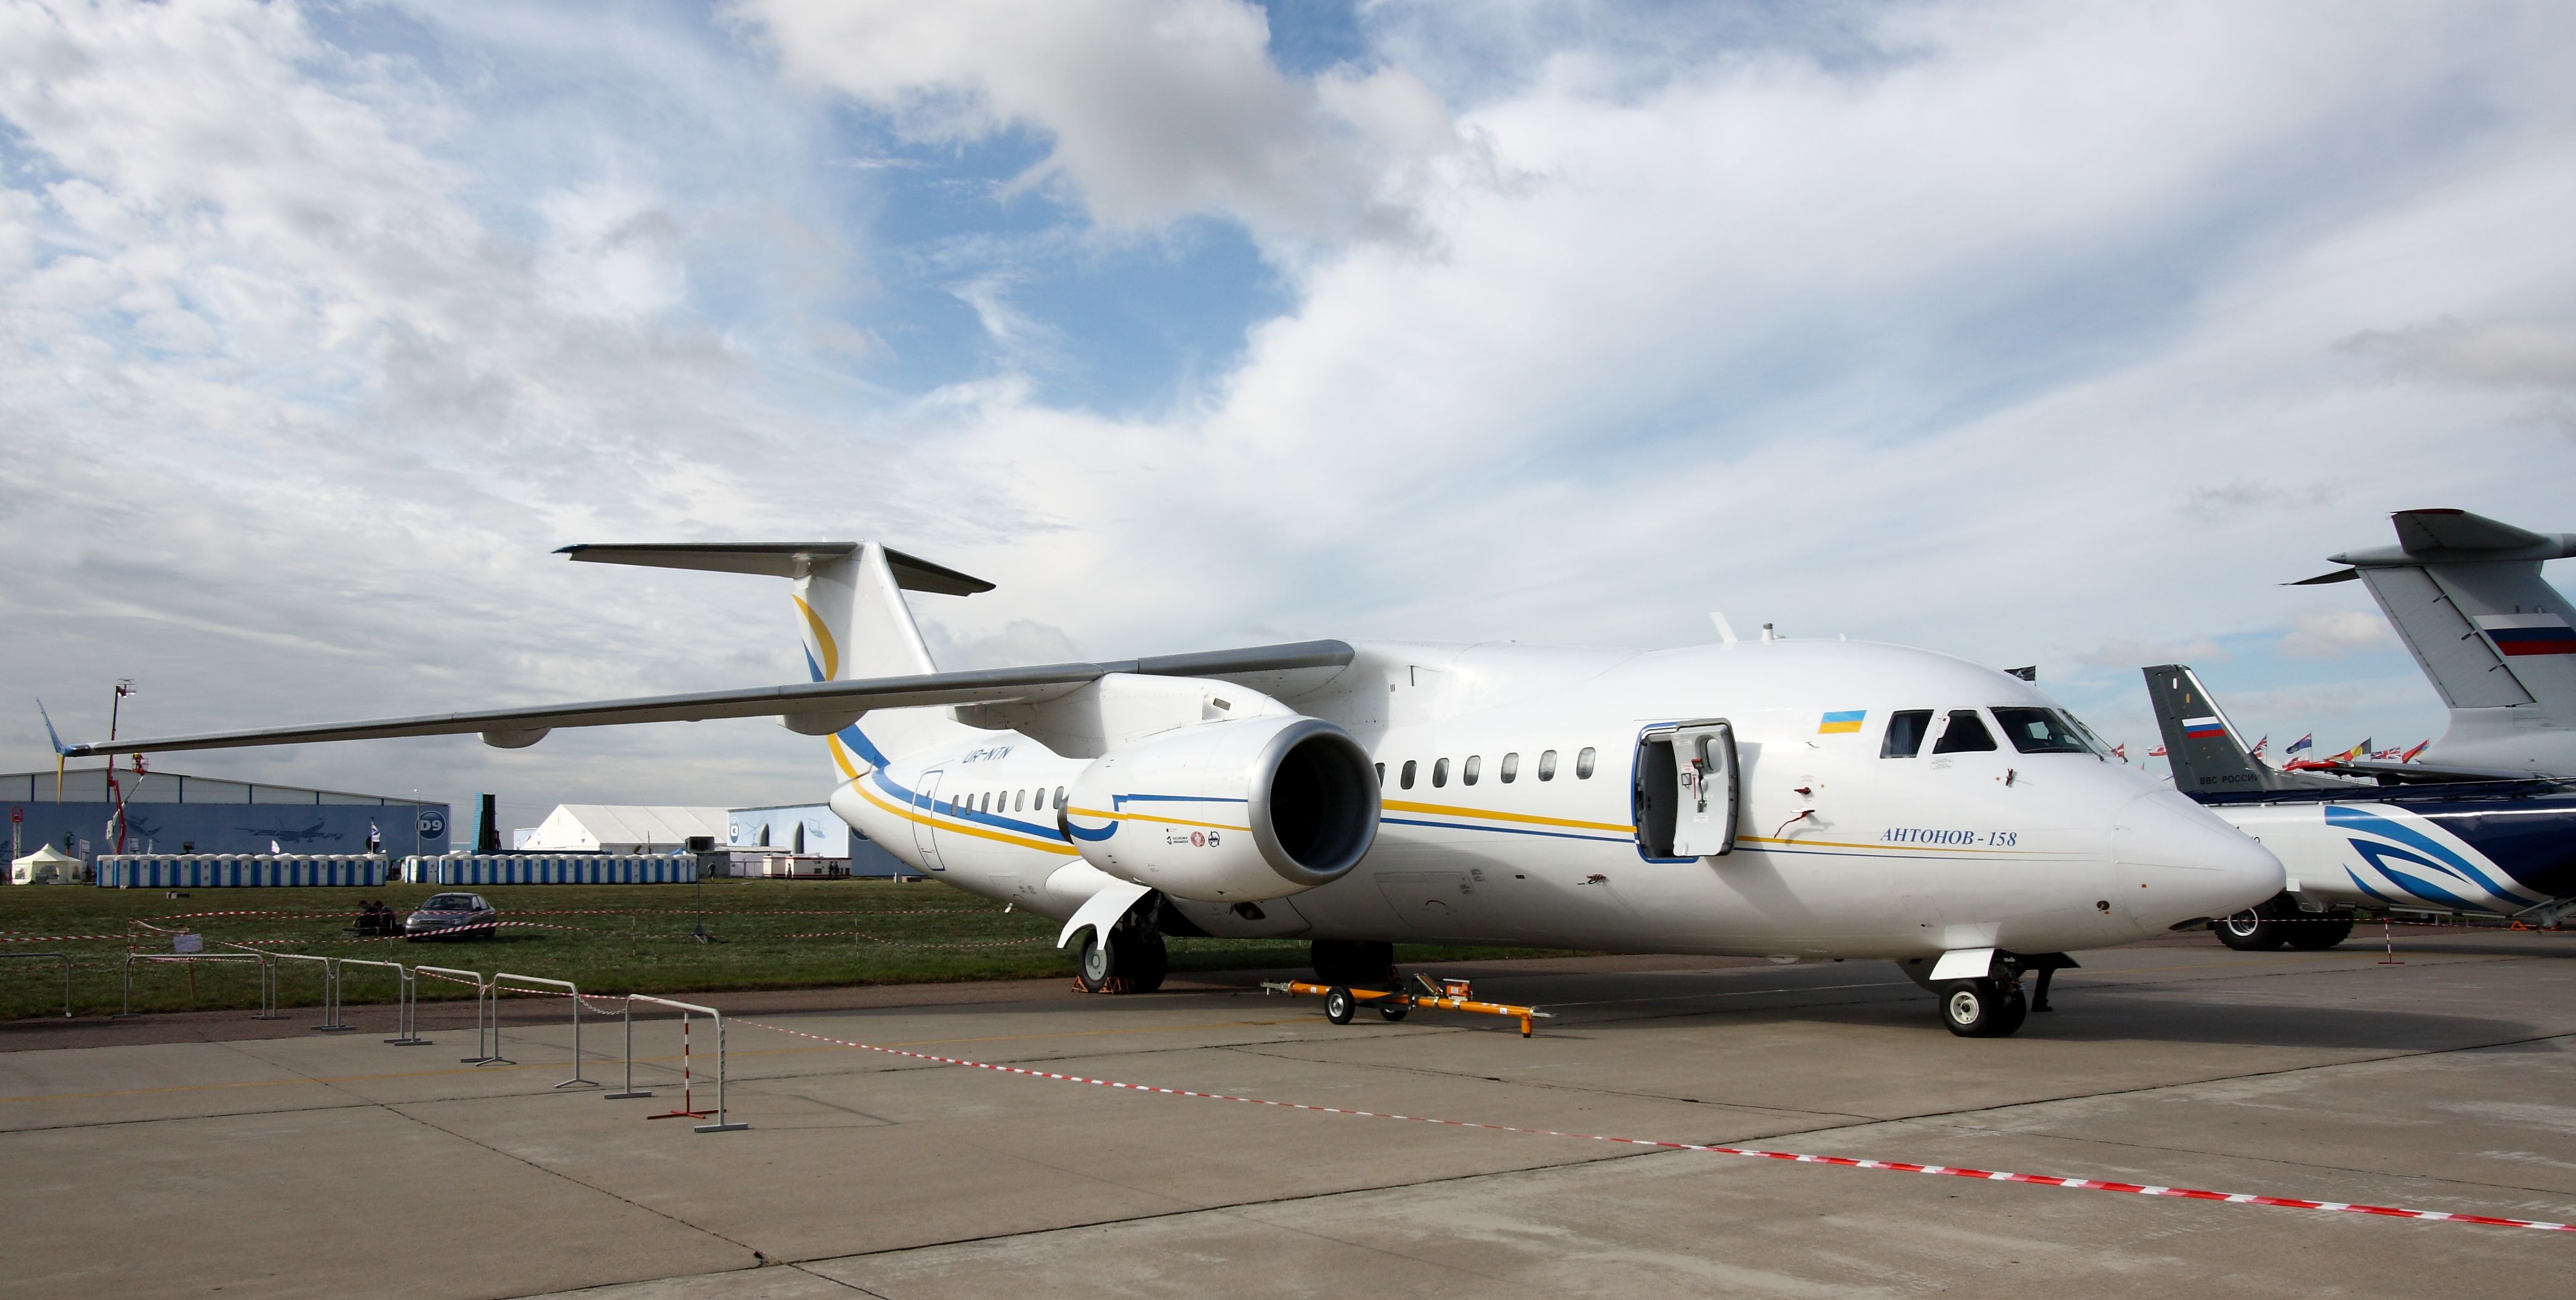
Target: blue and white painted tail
x: 852, y: 624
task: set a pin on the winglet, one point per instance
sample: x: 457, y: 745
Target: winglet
x: 2339, y: 575
x: 60, y: 749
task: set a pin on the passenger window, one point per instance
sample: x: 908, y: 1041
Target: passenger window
x: 988, y: 801
x: 1905, y: 732
x: 1964, y: 733
x: 1381, y: 776
x: 1407, y: 779
x: 1439, y: 773
x: 1059, y: 796
x: 1583, y: 764
x: 1475, y: 764
x: 1020, y: 801
x: 1511, y: 767
x: 1547, y: 765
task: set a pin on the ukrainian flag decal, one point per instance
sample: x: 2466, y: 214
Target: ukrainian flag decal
x: 1839, y: 722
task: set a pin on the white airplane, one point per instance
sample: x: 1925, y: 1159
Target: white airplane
x: 1787, y: 799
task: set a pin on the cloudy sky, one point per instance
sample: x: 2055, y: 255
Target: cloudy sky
x: 2049, y: 332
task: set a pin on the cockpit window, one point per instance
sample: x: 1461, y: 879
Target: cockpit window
x: 1964, y: 733
x: 1905, y: 731
x: 2039, y: 731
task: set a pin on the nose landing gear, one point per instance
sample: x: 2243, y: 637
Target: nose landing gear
x: 1983, y: 1008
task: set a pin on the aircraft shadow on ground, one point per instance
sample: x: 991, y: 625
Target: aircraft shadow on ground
x: 2124, y: 1015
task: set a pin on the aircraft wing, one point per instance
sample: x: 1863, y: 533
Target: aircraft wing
x: 812, y: 707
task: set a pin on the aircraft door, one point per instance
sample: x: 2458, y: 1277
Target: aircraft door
x: 1687, y: 790
x: 925, y: 836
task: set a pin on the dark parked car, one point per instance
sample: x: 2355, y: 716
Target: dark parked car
x: 452, y: 916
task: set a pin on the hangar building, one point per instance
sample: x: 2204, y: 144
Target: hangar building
x: 168, y: 812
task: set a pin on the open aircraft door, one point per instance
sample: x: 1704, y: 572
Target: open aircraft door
x: 1687, y: 790
x: 925, y: 836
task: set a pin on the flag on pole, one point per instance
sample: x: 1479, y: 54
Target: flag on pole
x: 2157, y: 752
x: 2302, y: 745
x: 2121, y: 751
x: 2409, y: 755
x: 2350, y: 754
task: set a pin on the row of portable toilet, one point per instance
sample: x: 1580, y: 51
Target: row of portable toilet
x: 551, y: 869
x: 236, y: 870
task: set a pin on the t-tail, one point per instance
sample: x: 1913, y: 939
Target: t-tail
x: 2465, y: 593
x: 851, y: 620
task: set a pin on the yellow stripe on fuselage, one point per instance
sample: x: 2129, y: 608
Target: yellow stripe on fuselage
x: 1149, y: 817
x: 1445, y: 810
x: 960, y: 828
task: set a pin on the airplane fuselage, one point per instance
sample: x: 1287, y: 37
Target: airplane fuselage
x: 1512, y: 812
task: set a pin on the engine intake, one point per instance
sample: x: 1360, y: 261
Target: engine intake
x: 1240, y: 810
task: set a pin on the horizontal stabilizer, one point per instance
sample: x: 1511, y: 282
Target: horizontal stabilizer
x: 777, y: 560
x: 813, y: 707
x: 2421, y: 532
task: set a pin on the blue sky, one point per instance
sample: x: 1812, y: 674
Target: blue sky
x: 2030, y: 332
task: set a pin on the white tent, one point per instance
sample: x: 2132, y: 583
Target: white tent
x: 46, y: 866
x: 611, y: 828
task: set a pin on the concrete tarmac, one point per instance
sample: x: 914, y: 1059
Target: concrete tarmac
x: 334, y: 1165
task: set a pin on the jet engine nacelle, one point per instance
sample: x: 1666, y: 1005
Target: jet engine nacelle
x: 1233, y: 811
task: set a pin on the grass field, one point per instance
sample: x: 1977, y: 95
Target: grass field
x: 771, y: 934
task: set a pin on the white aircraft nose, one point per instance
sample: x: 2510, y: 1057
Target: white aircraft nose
x: 2192, y: 863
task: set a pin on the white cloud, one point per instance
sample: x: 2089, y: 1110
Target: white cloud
x: 1155, y: 109
x: 2142, y: 654
x: 2334, y: 633
x: 2499, y: 352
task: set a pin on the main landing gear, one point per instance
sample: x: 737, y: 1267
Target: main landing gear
x: 1133, y: 961
x: 2277, y: 921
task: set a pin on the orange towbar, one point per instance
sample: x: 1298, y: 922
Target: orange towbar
x: 1341, y: 1004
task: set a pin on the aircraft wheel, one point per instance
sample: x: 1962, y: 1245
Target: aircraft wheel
x: 1392, y: 1011
x: 1339, y: 1005
x: 1142, y: 959
x: 2015, y: 1009
x: 1976, y: 1008
x: 2256, y: 929
x: 2319, y: 933
x: 1099, y: 963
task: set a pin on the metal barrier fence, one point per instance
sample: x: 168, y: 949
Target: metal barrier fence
x: 483, y: 1002
x: 572, y: 995
x: 237, y: 870
x: 267, y: 976
x: 551, y: 869
x: 686, y: 1108
x: 63, y: 957
x: 406, y: 1001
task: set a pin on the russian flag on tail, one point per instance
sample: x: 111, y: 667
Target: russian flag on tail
x: 2203, y: 728
x: 2529, y: 634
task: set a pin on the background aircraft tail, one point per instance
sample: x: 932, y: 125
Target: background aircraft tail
x: 850, y: 618
x: 2207, y: 754
x: 2465, y: 593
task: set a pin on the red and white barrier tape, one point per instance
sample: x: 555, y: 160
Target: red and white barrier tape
x: 59, y: 938
x: 1896, y: 1166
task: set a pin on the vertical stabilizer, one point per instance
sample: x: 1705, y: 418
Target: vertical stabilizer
x: 2495, y: 639
x: 2208, y: 756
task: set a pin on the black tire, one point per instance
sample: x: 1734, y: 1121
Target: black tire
x: 2318, y: 933
x: 1142, y: 959
x: 1361, y: 964
x: 1392, y: 1011
x: 1978, y: 1008
x: 2015, y: 1009
x: 1099, y: 963
x: 2256, y: 929
x: 1339, y: 1005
